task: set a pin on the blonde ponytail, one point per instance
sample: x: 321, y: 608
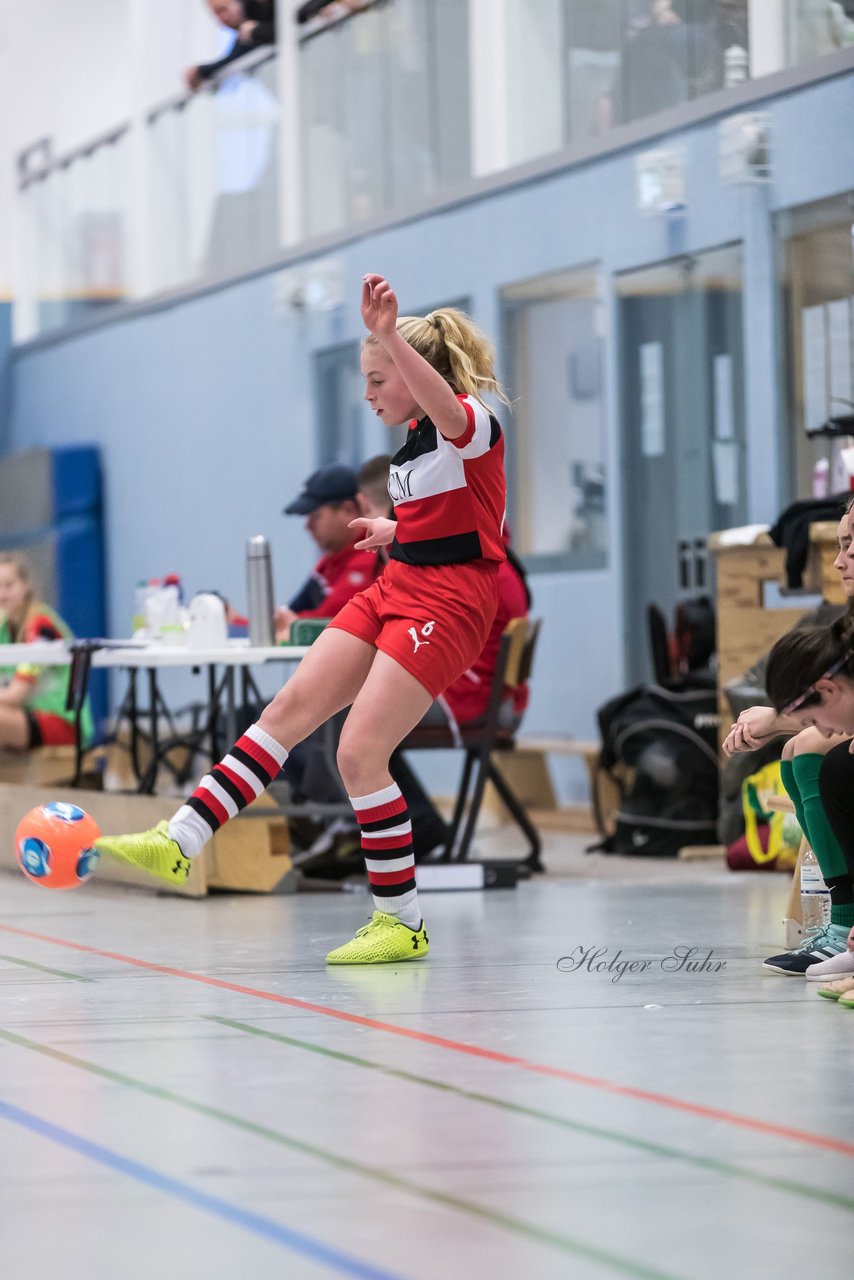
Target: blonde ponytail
x: 451, y: 342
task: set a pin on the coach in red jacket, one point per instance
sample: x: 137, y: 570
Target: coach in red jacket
x: 328, y: 500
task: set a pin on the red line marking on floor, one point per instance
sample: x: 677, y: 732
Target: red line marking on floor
x: 458, y: 1046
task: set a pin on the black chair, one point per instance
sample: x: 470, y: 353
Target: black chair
x: 481, y: 741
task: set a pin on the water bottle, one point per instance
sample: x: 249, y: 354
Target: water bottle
x: 148, y: 593
x: 259, y: 591
x: 815, y: 898
x: 174, y: 580
x: 163, y: 614
x: 171, y: 624
x: 140, y: 596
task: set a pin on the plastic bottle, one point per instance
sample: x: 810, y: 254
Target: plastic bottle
x: 150, y: 595
x: 815, y: 898
x: 163, y: 614
x: 140, y: 595
x: 259, y: 591
x: 821, y: 478
x: 171, y: 621
x: 174, y: 580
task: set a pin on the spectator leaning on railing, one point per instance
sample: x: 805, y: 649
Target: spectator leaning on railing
x: 329, y: 9
x: 255, y: 24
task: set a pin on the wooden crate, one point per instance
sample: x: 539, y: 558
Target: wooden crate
x: 820, y: 574
x: 41, y: 765
x: 249, y: 854
x: 746, y: 629
x: 526, y: 769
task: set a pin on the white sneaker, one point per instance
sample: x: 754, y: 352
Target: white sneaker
x: 839, y: 966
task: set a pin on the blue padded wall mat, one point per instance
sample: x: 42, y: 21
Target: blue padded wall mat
x: 53, y: 512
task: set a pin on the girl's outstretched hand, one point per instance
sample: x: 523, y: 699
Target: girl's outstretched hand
x: 379, y: 532
x: 379, y: 306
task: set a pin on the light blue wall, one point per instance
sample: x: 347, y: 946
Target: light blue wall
x: 5, y: 384
x: 204, y: 409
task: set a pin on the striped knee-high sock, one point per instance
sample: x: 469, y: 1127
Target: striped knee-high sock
x: 387, y: 846
x: 239, y: 778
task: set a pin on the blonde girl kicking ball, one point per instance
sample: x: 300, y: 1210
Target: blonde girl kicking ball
x: 398, y: 644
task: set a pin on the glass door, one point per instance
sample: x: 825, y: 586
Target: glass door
x: 682, y: 419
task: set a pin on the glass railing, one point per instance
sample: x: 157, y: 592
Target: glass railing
x: 212, y: 179
x: 75, y: 233
x: 384, y: 111
x: 389, y: 113
x: 580, y: 67
x: 193, y: 194
x: 817, y: 27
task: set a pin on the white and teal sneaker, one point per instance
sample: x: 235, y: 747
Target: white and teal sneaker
x: 820, y: 944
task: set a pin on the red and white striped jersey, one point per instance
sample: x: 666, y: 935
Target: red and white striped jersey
x: 449, y: 495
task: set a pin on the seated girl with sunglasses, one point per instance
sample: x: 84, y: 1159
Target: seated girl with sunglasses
x: 805, y: 755
x: 810, y: 681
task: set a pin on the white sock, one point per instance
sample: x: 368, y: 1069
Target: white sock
x: 239, y: 778
x: 389, y: 859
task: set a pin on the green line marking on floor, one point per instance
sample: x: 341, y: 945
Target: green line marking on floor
x: 707, y: 1163
x: 518, y: 1226
x: 43, y: 968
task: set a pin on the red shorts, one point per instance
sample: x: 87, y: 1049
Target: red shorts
x: 432, y: 619
x: 48, y: 729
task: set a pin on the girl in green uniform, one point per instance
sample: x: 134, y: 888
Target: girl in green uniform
x: 32, y: 697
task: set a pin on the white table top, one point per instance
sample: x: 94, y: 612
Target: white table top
x: 236, y: 653
x: 44, y: 653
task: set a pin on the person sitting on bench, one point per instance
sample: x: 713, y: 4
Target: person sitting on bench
x: 32, y: 697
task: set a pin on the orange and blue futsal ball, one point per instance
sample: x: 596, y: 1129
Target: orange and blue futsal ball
x: 54, y: 845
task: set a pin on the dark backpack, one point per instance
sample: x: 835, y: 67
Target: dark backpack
x: 660, y: 748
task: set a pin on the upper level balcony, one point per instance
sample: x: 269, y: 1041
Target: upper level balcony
x: 374, y: 116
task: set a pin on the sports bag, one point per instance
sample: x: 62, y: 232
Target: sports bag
x: 660, y: 748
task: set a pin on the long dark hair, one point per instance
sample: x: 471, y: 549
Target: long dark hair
x: 801, y: 657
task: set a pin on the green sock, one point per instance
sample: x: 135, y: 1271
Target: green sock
x: 787, y: 775
x: 816, y: 828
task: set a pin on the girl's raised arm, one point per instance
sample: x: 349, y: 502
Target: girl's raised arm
x: 429, y: 389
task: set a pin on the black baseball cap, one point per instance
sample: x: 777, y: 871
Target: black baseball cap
x: 335, y: 483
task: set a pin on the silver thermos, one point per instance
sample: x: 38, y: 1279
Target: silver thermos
x: 259, y: 591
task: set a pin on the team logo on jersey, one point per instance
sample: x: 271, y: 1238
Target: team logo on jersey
x: 400, y: 485
x: 426, y: 630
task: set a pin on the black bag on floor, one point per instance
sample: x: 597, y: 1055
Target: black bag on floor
x: 660, y: 748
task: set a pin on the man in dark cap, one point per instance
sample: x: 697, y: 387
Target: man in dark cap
x: 328, y: 501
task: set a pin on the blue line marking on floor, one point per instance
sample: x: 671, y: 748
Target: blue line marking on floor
x: 316, y: 1250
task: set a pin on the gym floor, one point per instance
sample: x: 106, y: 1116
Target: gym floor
x: 186, y: 1090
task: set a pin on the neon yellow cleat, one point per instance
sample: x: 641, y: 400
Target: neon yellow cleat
x: 153, y: 851
x: 385, y: 940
